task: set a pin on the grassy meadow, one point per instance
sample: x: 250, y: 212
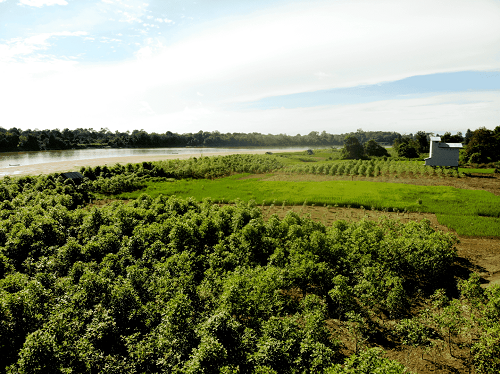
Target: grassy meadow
x: 468, y: 212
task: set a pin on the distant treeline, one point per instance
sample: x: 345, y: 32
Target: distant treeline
x: 15, y: 139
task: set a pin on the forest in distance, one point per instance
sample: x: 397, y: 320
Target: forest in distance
x: 15, y: 139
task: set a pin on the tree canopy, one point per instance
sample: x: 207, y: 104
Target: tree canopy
x: 372, y: 148
x: 352, y: 148
x: 483, y: 146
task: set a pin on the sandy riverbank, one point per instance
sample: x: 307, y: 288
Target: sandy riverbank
x: 75, y: 165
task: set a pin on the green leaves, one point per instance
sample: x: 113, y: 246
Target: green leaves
x: 171, y: 285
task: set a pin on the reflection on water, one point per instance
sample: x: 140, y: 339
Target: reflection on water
x: 30, y: 158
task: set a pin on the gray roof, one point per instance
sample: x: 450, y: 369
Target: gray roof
x: 72, y: 175
x: 450, y: 145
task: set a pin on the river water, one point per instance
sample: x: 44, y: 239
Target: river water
x: 12, y: 160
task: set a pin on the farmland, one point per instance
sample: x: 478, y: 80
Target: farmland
x: 250, y: 264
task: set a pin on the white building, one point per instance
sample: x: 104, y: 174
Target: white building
x: 443, y: 154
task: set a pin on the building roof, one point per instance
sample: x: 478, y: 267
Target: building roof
x: 445, y: 145
x: 450, y: 145
x: 72, y: 175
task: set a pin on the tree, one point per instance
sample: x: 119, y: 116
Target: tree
x: 448, y: 138
x: 484, y: 146
x: 468, y: 136
x: 406, y: 150
x: 368, y: 361
x: 372, y: 148
x: 406, y: 147
x: 423, y: 143
x: 352, y: 148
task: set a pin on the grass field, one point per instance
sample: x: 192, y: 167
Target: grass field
x: 468, y: 212
x: 476, y: 171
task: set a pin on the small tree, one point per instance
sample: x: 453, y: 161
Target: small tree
x: 372, y: 148
x: 483, y: 146
x: 406, y: 150
x: 352, y: 148
x: 422, y: 141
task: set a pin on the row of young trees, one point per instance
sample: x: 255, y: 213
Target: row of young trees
x: 374, y: 168
x: 33, y: 140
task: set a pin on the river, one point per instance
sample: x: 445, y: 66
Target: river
x: 17, y: 163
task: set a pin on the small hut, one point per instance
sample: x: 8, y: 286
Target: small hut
x: 74, y: 176
x: 443, y: 154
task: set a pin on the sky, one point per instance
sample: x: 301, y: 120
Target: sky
x: 273, y: 66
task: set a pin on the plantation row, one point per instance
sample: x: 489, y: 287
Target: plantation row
x: 203, y: 167
x: 169, y: 285
x: 374, y: 168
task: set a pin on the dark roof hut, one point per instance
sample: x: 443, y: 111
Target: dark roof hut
x: 74, y: 176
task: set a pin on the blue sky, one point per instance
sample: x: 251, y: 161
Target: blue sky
x: 250, y: 66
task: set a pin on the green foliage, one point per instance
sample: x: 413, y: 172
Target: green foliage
x: 352, y: 149
x: 483, y: 146
x: 170, y: 285
x: 452, y: 205
x: 422, y: 141
x: 16, y: 139
x: 372, y: 148
x: 407, y: 147
x: 370, y: 361
x: 166, y: 284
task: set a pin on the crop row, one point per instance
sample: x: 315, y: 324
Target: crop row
x: 374, y: 168
x: 197, y: 168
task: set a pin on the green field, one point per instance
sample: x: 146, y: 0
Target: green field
x: 469, y: 212
x: 476, y: 171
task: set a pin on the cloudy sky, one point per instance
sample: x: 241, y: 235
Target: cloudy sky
x: 268, y: 66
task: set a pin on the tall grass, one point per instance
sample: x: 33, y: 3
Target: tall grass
x: 447, y: 202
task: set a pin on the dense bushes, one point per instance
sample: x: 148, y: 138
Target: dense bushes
x: 175, y: 286
x: 171, y: 285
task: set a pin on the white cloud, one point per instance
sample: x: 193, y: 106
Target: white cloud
x: 343, y: 43
x: 298, y: 48
x: 450, y: 112
x: 40, y: 3
x: 19, y: 47
x: 145, y: 108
